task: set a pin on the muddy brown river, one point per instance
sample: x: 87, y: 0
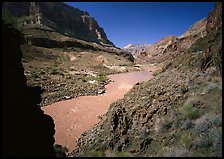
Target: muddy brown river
x: 75, y: 116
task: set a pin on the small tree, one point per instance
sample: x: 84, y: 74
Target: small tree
x: 9, y: 18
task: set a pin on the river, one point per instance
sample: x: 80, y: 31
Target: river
x: 75, y: 116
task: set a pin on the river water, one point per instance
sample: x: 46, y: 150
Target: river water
x: 75, y: 116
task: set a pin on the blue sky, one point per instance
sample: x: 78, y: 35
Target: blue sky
x: 144, y: 22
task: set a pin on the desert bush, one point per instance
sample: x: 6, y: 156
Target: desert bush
x: 60, y: 151
x: 162, y: 124
x: 101, y: 77
x: 211, y: 86
x: 208, y: 133
x: 203, y: 142
x: 188, y: 111
x: 122, y: 154
x: 216, y: 120
x: 186, y: 124
x: 65, y: 149
x: 209, y: 130
x: 166, y: 122
x: 202, y: 125
x: 9, y: 18
x: 54, y: 71
x: 94, y: 153
x: 177, y: 151
x: 216, y: 137
x: 192, y: 100
x: 155, y: 73
x: 177, y: 119
x: 186, y: 140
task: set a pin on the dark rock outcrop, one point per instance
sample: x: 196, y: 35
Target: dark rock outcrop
x: 26, y: 130
x: 213, y: 52
x: 22, y: 8
x: 205, y: 49
x: 59, y: 17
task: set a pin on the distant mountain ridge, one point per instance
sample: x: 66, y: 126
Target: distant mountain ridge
x: 135, y: 45
x: 136, y: 49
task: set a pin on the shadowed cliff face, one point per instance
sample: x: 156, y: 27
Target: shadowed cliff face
x: 21, y: 10
x: 213, y: 51
x: 27, y: 131
x: 61, y: 18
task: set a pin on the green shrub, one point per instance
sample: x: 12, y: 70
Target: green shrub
x: 65, y: 149
x: 59, y: 150
x: 54, y: 71
x: 188, y: 111
x: 123, y: 154
x: 101, y: 77
x: 9, y: 18
x: 166, y: 123
x: 94, y: 153
x: 216, y: 120
x: 186, y: 140
x: 155, y: 73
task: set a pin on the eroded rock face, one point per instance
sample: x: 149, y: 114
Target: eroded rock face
x: 57, y: 25
x: 168, y: 48
x: 26, y: 130
x: 61, y: 18
x: 213, y: 52
x: 22, y: 8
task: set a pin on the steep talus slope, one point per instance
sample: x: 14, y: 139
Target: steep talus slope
x: 26, y: 130
x: 59, y: 17
x: 177, y: 113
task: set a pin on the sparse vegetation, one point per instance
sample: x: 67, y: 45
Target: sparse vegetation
x: 188, y: 111
x: 60, y: 151
x: 155, y: 73
x: 122, y: 154
x: 65, y: 149
x: 54, y: 71
x: 186, y: 124
x: 166, y: 122
x: 94, y: 153
x: 9, y: 18
x: 186, y: 140
x: 101, y: 77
